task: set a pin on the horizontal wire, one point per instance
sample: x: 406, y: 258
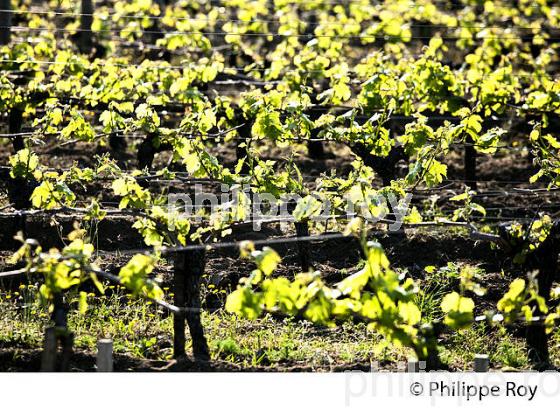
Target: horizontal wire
x: 495, y: 181
x: 116, y: 279
x: 428, y: 220
x: 273, y: 34
x: 411, y: 4
x: 309, y: 238
x: 492, y: 317
x: 225, y: 69
x: 221, y: 135
x: 17, y: 272
x: 179, y: 132
x: 103, y: 16
x: 448, y: 182
x: 263, y: 220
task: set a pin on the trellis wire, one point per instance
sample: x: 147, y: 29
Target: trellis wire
x: 180, y: 67
x: 104, y: 16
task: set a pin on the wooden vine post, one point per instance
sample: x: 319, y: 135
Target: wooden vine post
x: 481, y: 363
x: 15, y: 122
x: 470, y: 163
x: 544, y: 261
x: 385, y: 167
x: 148, y: 148
x: 19, y: 193
x: 5, y: 21
x: 105, y: 355
x: 244, y: 132
x: 55, y: 336
x: 147, y: 151
x: 431, y: 357
x: 413, y: 366
x: 188, y: 271
x: 315, y: 149
x: 86, y: 20
x: 302, y: 230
